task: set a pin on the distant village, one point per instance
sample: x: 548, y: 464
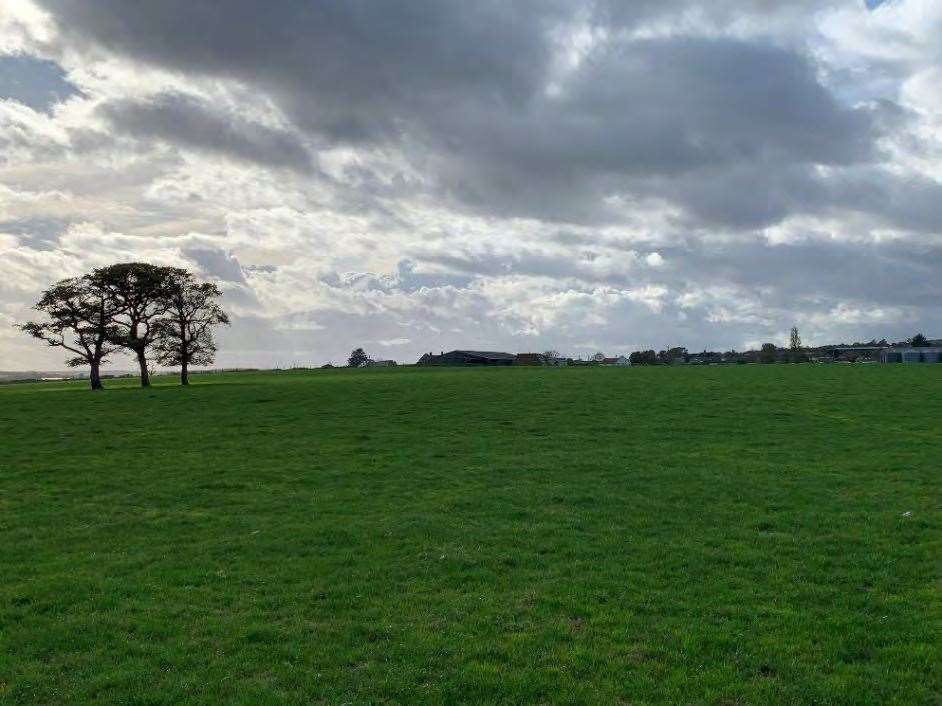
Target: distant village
x: 917, y: 349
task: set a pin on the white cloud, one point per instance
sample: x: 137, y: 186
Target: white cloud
x: 388, y: 343
x: 654, y: 259
x: 23, y: 25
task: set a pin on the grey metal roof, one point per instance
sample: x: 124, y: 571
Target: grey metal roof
x: 485, y: 354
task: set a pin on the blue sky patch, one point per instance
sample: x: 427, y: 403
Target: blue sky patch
x: 38, y: 83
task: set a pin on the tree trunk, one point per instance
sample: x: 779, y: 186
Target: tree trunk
x: 94, y: 376
x: 184, y: 373
x: 145, y: 376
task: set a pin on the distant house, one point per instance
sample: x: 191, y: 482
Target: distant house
x: 620, y: 361
x: 381, y: 363
x: 530, y: 359
x: 852, y: 353
x: 705, y: 358
x: 911, y: 355
x: 467, y: 358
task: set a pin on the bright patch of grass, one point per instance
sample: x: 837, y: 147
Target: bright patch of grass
x: 745, y: 535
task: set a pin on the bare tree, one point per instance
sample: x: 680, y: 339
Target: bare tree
x: 137, y: 291
x: 184, y: 336
x: 80, y: 314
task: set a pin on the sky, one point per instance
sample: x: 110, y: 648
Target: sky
x: 422, y: 175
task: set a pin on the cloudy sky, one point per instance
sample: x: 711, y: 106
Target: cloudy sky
x: 425, y: 174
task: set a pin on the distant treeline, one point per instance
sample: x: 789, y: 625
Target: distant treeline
x: 147, y: 310
x: 770, y: 353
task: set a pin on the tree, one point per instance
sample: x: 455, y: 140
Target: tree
x: 551, y: 357
x: 643, y: 358
x: 768, y: 353
x: 794, y: 339
x: 358, y: 358
x: 668, y: 357
x: 795, y: 354
x: 137, y: 292
x: 80, y: 315
x: 919, y: 341
x: 184, y: 336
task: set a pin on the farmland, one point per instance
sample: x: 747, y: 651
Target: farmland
x: 715, y: 535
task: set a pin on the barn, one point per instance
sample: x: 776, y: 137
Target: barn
x: 911, y: 355
x: 467, y: 358
x: 530, y: 359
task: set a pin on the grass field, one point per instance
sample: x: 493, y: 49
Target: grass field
x: 744, y: 535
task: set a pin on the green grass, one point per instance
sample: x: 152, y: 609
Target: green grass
x: 644, y: 536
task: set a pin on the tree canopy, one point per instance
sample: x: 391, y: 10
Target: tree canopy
x: 136, y: 306
x: 79, y: 319
x: 358, y: 358
x: 138, y: 290
x: 184, y: 336
x: 768, y: 353
x: 794, y: 339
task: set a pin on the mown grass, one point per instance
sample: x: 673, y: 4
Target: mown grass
x: 746, y: 535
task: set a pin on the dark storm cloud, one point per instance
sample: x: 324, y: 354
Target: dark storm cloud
x: 696, y: 121
x: 462, y: 90
x: 619, y: 13
x: 909, y: 201
x: 350, y: 70
x: 189, y: 121
x: 881, y: 274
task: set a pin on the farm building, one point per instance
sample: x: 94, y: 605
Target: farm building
x: 381, y: 364
x: 852, y: 353
x: 467, y: 358
x: 620, y: 360
x: 530, y: 359
x: 911, y: 355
